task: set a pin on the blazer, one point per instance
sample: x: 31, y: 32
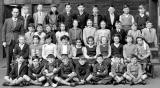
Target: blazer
x: 22, y: 71
x: 9, y: 32
x: 35, y: 17
x: 107, y: 18
x: 24, y: 52
x: 99, y: 19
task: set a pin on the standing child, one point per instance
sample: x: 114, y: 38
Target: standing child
x: 16, y: 76
x: 134, y: 72
x: 40, y: 33
x: 126, y: 19
x: 48, y: 48
x: 116, y: 47
x: 150, y: 35
x: 88, y: 31
x: 75, y: 32
x: 134, y: 32
x: 61, y: 33
x: 102, y: 32
x: 29, y: 35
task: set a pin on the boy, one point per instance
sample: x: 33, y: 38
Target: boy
x: 21, y: 48
x: 29, y: 35
x: 117, y: 71
x: 101, y: 72
x: 150, y: 35
x: 35, y: 70
x: 75, y: 32
x: 19, y: 70
x: 126, y: 19
x: 82, y: 70
x: 64, y: 48
x: 134, y: 72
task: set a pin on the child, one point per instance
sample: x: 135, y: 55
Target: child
x: 141, y: 18
x: 134, y: 72
x: 129, y: 48
x: 48, y: 48
x: 150, y: 35
x: 116, y: 47
x: 21, y: 48
x: 29, y: 35
x: 82, y: 70
x: 117, y: 71
x: 119, y: 31
x: 88, y: 31
x: 40, y: 33
x: 77, y: 51
x: 102, y: 32
x: 35, y: 72
x: 16, y: 76
x: 143, y: 52
x: 101, y: 71
x: 60, y: 33
x: 90, y: 52
x: 64, y: 48
x: 50, y: 31
x: 75, y: 32
x: 134, y: 32
x: 105, y: 49
x: 67, y: 71
x: 126, y: 19
x: 36, y: 47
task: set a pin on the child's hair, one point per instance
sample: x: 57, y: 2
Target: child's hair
x: 35, y: 57
x: 90, y: 37
x: 67, y: 4
x: 99, y: 55
x: 18, y: 56
x: 50, y: 56
x: 134, y: 56
x: 117, y: 35
x: 141, y: 7
x: 65, y: 37
x: 117, y: 56
x: 104, y: 37
x: 48, y: 36
x: 74, y: 20
x: 148, y: 22
x: 80, y: 40
x: 36, y: 36
x: 135, y: 24
x: 95, y: 6
x: 62, y: 24
x: 125, y: 6
x: 130, y: 37
x: 39, y: 25
x: 118, y: 22
x: 31, y: 25
x: 142, y: 38
x: 81, y: 4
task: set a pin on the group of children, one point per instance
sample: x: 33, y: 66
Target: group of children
x: 90, y: 56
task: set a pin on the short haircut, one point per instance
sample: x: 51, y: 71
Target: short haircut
x: 67, y: 4
x: 50, y: 56
x: 31, y: 25
x: 36, y: 36
x: 48, y: 36
x: 90, y: 37
x: 125, y: 6
x: 117, y: 35
x: 39, y: 25
x: 35, y: 57
x: 130, y: 37
x: 65, y: 37
x: 118, y: 22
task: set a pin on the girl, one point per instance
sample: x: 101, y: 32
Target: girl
x: 29, y: 35
x: 102, y: 32
x: 134, y: 32
x: 60, y: 33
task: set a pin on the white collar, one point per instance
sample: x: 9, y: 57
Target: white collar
x: 14, y: 19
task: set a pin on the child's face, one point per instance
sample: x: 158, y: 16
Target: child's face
x: 82, y: 62
x: 90, y: 41
x: 35, y: 62
x: 64, y: 41
x: 134, y: 60
x: 95, y: 10
x: 103, y: 25
x: 139, y: 41
x: 99, y: 60
x: 118, y: 25
x: 78, y: 43
x: 62, y: 26
x: 81, y: 8
x: 50, y: 60
x: 134, y: 27
x: 53, y: 9
x: 126, y: 10
x: 65, y: 61
x: 75, y: 23
x: 104, y: 40
x: 31, y: 29
x: 39, y: 28
x: 141, y: 10
x: 68, y: 8
x: 48, y: 28
x: 149, y: 25
x: 21, y: 40
x: 48, y: 41
x: 129, y: 39
x: 20, y: 60
x: 116, y: 39
x: 89, y: 23
x: 36, y: 41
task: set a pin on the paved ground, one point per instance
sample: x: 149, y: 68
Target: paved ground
x: 151, y: 83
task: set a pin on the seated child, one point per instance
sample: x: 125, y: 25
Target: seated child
x: 143, y: 53
x: 82, y: 70
x: 101, y: 72
x: 134, y: 72
x: 117, y: 71
x: 29, y: 35
x: 116, y: 47
x: 35, y: 72
x: 150, y: 35
x: 16, y: 76
x: 64, y: 48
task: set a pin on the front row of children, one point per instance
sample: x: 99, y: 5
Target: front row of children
x: 54, y: 72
